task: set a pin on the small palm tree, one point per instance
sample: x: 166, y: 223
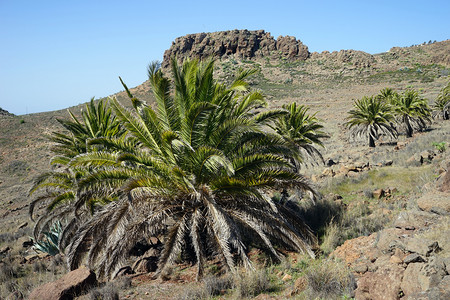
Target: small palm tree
x: 387, y: 95
x: 302, y: 130
x: 412, y: 111
x: 195, y: 172
x: 58, y: 188
x: 370, y: 118
x: 442, y: 103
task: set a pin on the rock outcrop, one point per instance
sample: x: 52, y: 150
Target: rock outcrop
x: 67, y: 287
x: 243, y: 44
x: 5, y: 112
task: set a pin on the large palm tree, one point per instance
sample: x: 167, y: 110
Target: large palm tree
x: 371, y: 117
x: 194, y: 172
x: 412, y: 111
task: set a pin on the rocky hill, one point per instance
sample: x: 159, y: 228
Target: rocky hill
x: 241, y: 44
x: 258, y: 44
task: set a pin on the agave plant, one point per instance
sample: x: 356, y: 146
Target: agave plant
x: 370, y: 118
x: 49, y: 244
x: 412, y: 111
x: 194, y: 172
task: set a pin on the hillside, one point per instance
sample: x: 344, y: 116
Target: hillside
x: 286, y: 72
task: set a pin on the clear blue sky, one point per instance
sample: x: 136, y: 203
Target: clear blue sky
x: 56, y: 54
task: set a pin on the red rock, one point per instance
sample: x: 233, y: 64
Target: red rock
x: 380, y: 285
x: 65, y: 288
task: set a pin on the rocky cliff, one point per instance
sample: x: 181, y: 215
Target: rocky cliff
x: 243, y: 44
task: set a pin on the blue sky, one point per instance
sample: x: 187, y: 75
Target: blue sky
x: 56, y: 54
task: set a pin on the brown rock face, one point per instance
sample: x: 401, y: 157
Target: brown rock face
x: 67, y: 287
x: 243, y: 44
x: 436, y: 202
x: 384, y: 284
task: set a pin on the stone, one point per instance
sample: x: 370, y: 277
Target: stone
x: 300, y: 285
x: 395, y: 259
x: 443, y: 182
x: 413, y: 281
x: 414, y: 219
x: 328, y: 172
x: 147, y: 263
x: 73, y: 283
x: 378, y: 193
x: 380, y: 285
x: 415, y: 160
x: 330, y: 162
x: 421, y: 246
x: 27, y: 243
x: 127, y: 270
x: 22, y: 225
x: 435, y: 201
x: 4, y: 250
x: 413, y: 258
x: 360, y: 268
x: 387, y: 163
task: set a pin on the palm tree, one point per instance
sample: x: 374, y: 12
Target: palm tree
x: 442, y: 103
x: 58, y: 188
x: 371, y: 117
x: 387, y: 95
x: 301, y: 130
x: 194, y: 172
x: 412, y: 111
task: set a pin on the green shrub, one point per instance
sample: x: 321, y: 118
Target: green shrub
x: 440, y: 146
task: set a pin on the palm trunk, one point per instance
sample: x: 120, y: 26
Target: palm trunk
x: 409, y: 130
x: 371, y: 142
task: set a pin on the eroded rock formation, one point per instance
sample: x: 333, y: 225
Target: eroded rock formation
x: 243, y: 44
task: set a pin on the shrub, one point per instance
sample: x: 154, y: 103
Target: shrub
x: 215, y: 285
x: 107, y: 292
x: 328, y: 279
x: 440, y: 146
x: 252, y: 283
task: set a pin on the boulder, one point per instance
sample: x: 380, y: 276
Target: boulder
x: 67, y: 287
x: 434, y: 201
x: 413, y: 258
x: 328, y: 172
x: 422, y: 246
x: 300, y: 285
x: 147, y: 263
x: 382, y: 284
x: 4, y: 250
x: 413, y: 281
x: 378, y: 193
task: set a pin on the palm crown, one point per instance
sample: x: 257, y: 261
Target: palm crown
x: 412, y: 111
x: 371, y: 117
x: 442, y: 103
x: 302, y: 130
